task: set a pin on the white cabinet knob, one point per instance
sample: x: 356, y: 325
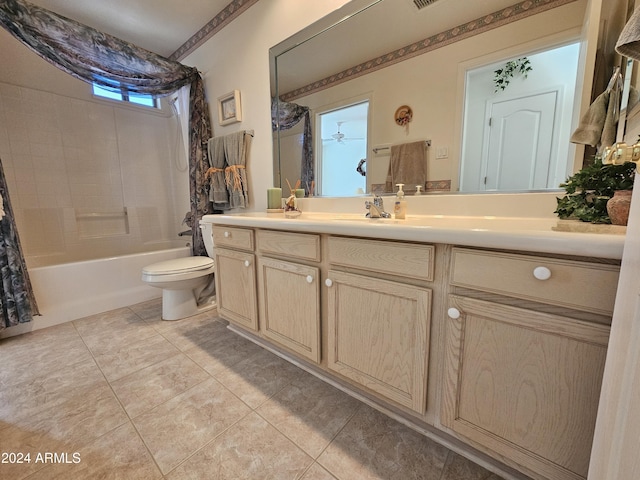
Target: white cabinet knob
x: 328, y: 282
x: 247, y: 263
x: 453, y: 313
x: 227, y: 234
x: 309, y: 279
x: 542, y: 273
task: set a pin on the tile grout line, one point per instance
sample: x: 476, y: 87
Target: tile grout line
x: 130, y: 420
x: 210, y: 377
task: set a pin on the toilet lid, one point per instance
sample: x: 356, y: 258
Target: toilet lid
x: 179, y: 265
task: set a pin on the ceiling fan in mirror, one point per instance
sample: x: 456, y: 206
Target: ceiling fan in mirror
x: 340, y: 137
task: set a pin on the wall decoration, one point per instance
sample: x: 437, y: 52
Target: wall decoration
x: 229, y: 108
x: 504, y: 75
x: 403, y: 116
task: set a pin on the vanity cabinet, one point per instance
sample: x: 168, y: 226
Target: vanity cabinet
x: 289, y: 291
x: 236, y: 275
x: 524, y: 382
x: 502, y: 350
x: 378, y: 329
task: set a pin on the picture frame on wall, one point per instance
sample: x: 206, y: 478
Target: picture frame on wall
x: 229, y: 108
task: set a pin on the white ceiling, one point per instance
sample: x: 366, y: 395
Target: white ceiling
x: 160, y: 26
x: 383, y: 28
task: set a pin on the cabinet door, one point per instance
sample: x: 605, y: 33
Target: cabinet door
x: 524, y: 384
x: 236, y: 287
x: 379, y: 336
x: 290, y: 305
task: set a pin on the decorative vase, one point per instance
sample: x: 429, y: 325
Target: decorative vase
x: 618, y: 207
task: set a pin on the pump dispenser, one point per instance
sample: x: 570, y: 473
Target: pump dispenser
x: 400, y: 205
x: 418, y: 190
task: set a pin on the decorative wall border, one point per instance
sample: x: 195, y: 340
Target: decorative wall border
x: 480, y: 25
x: 217, y: 23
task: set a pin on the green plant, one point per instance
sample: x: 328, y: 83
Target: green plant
x: 504, y: 75
x: 589, y: 190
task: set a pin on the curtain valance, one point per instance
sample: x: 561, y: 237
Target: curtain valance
x: 91, y: 55
x: 96, y: 57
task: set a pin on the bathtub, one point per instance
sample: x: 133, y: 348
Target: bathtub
x: 69, y: 291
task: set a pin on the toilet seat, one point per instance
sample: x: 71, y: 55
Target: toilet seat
x: 178, y: 265
x: 182, y: 268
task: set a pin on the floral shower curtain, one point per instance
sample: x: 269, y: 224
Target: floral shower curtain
x: 286, y: 115
x: 96, y: 57
x: 17, y: 303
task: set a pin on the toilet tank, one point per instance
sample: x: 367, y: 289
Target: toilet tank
x: 207, y: 236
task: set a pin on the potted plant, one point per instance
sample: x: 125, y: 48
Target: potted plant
x: 589, y: 190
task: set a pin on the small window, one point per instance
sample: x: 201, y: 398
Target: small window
x: 125, y: 96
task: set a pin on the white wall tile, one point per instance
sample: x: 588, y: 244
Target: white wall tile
x: 69, y: 155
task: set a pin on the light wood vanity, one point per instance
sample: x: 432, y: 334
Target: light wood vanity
x: 492, y: 350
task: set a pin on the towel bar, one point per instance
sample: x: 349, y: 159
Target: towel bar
x: 378, y: 149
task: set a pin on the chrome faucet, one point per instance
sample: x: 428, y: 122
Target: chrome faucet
x: 376, y: 208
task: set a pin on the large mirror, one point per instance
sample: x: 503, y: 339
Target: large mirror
x: 378, y: 76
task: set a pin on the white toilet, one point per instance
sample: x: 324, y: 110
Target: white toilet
x: 184, y: 281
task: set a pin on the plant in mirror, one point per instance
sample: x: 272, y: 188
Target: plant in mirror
x: 441, y: 60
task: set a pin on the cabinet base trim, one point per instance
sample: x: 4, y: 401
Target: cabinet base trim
x: 436, y: 435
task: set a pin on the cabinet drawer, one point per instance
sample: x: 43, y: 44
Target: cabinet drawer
x: 296, y: 245
x: 578, y: 285
x: 240, y: 238
x: 404, y: 259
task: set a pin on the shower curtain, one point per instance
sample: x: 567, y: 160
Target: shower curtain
x: 114, y: 64
x: 286, y: 115
x: 17, y: 302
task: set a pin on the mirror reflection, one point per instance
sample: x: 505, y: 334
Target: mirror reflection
x: 440, y: 62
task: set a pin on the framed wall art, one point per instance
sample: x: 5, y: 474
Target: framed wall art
x: 229, y: 108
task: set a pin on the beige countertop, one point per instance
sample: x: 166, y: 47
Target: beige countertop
x: 545, y: 235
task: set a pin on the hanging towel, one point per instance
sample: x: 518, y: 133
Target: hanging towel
x: 217, y: 188
x: 408, y: 165
x: 628, y: 43
x: 236, y: 148
x: 590, y: 130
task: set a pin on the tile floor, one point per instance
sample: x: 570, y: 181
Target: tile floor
x: 134, y: 397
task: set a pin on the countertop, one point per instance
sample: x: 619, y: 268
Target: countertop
x: 545, y: 235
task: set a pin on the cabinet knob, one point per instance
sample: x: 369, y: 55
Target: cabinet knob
x: 453, y: 313
x: 247, y: 263
x: 542, y: 273
x: 309, y: 279
x: 328, y: 282
x: 227, y: 234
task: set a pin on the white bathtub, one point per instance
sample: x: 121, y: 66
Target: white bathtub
x: 74, y: 290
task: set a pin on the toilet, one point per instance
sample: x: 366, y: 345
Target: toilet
x: 186, y: 283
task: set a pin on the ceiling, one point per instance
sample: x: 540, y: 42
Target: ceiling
x: 160, y: 26
x: 383, y: 28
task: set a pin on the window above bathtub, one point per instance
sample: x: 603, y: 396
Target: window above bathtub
x: 124, y: 95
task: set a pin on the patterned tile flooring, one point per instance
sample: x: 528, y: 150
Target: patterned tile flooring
x: 125, y: 395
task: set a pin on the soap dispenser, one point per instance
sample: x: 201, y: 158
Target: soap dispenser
x: 400, y: 205
x: 418, y: 190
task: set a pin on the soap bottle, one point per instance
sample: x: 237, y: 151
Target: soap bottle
x: 418, y: 190
x: 400, y: 205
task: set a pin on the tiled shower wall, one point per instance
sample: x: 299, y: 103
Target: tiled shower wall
x: 90, y: 179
